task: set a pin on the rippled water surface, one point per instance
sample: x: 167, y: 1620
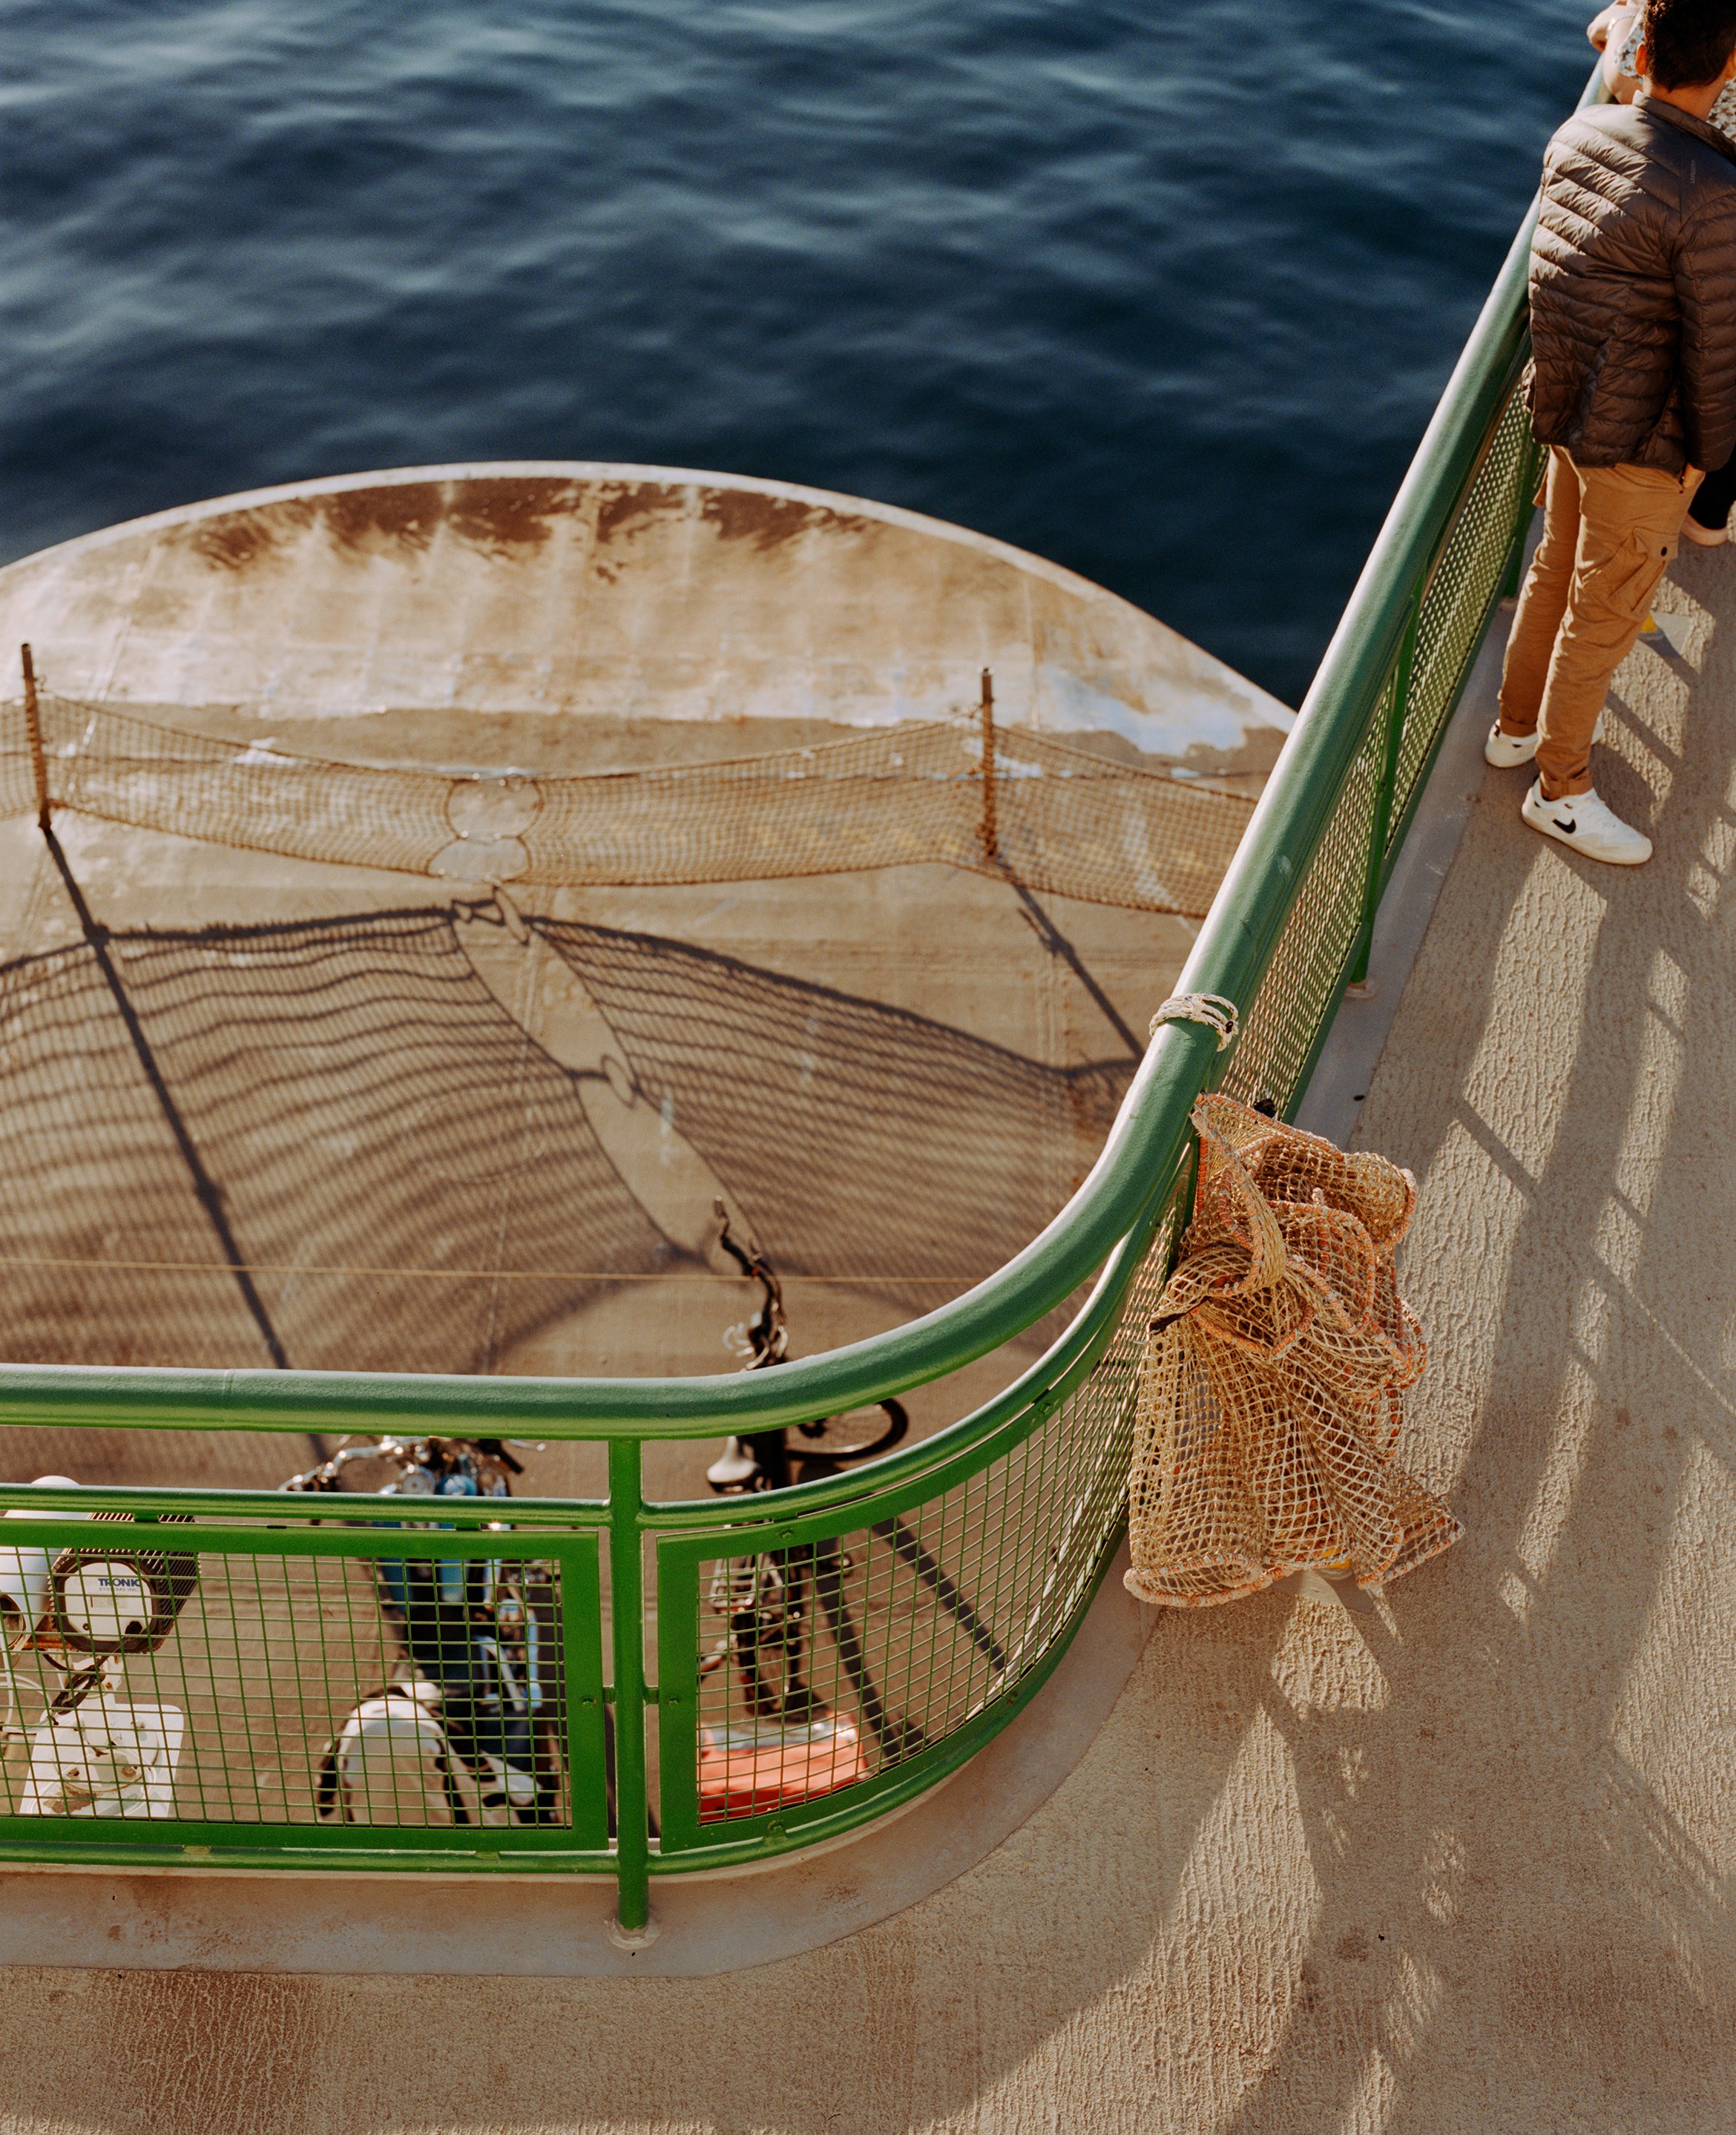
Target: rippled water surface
x: 1164, y: 293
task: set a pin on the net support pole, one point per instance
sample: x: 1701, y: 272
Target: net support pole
x: 33, y: 727
x: 990, y: 829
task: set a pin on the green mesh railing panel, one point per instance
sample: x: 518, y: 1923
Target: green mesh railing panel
x: 932, y: 1591
x: 913, y: 1617
x: 1279, y: 1030
x: 276, y: 1708
x: 1456, y: 605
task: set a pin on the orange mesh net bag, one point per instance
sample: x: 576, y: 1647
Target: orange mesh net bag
x: 1272, y: 1386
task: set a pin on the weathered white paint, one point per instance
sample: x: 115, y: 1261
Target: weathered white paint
x: 499, y: 594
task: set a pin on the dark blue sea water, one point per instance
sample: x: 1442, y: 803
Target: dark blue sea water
x: 1165, y: 293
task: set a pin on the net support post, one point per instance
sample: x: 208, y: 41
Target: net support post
x: 631, y: 1927
x: 991, y: 827
x: 33, y: 728
x: 1359, y: 982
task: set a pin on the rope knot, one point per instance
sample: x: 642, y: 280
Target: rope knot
x: 1212, y: 1010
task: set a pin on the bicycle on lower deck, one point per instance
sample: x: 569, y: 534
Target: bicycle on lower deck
x: 793, y: 1744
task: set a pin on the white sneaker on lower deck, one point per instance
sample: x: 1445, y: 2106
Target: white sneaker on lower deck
x: 1508, y: 751
x: 1583, y: 822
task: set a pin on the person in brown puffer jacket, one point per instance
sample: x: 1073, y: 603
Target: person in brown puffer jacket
x: 1632, y: 387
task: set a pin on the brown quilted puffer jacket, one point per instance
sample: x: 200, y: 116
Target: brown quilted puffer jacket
x: 1633, y: 290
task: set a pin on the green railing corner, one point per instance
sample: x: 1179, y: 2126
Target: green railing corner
x: 950, y: 1575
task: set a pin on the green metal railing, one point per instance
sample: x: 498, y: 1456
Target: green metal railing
x: 942, y: 1582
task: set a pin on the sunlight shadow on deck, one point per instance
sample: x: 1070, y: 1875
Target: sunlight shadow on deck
x: 1540, y: 1825
x: 1459, y: 1867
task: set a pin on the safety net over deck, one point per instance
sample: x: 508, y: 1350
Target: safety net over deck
x: 1064, y: 819
x: 728, y: 1678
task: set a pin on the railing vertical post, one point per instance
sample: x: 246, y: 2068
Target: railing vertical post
x: 1382, y: 810
x: 33, y: 728
x: 991, y: 828
x: 627, y: 1599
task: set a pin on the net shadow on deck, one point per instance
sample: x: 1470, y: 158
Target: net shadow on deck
x: 405, y: 1178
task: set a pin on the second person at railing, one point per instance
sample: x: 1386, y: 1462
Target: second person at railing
x: 1617, y: 31
x: 1632, y: 387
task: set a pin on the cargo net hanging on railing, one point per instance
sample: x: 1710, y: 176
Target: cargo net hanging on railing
x: 1057, y: 817
x: 1273, y: 1390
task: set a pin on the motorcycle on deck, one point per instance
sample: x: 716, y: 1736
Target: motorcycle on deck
x: 468, y: 1730
x: 70, y: 1618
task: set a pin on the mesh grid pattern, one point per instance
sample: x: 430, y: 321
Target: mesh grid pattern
x: 1272, y: 1395
x: 403, y: 1179
x: 359, y: 1103
x: 17, y: 781
x: 909, y: 1627
x: 1283, y: 1024
x: 1453, y: 607
x: 1301, y: 982
x: 271, y: 1701
x: 1065, y: 821
x: 127, y: 770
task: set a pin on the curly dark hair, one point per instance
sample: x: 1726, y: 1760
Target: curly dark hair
x: 1688, y: 41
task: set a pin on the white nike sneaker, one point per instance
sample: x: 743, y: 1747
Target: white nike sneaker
x: 1584, y: 823
x: 1508, y: 751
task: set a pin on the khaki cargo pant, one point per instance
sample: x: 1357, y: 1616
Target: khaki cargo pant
x: 1608, y: 534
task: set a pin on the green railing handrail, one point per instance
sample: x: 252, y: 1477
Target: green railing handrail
x: 1347, y: 742
x: 1123, y: 1187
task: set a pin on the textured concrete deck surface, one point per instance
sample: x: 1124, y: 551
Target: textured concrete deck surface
x: 1454, y: 1869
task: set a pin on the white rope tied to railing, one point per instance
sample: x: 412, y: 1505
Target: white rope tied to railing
x: 1212, y: 1010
